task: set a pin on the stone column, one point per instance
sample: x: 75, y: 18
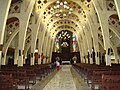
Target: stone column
x: 94, y: 32
x: 51, y: 49
x: 24, y: 21
x: 103, y: 19
x: 33, y: 42
x: 16, y: 56
x: 46, y: 46
x: 84, y: 41
x: 80, y: 48
x: 4, y: 9
x: 90, y: 52
x: 41, y: 42
x: 48, y: 50
x: 96, y: 46
x: 44, y: 49
x: 40, y: 35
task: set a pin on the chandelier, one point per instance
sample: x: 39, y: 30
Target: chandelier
x: 64, y: 35
x: 63, y: 8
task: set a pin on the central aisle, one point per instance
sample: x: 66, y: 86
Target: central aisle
x: 63, y: 80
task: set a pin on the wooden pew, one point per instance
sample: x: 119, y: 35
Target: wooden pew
x: 29, y: 73
x: 110, y: 82
x: 23, y: 75
x: 93, y: 73
x: 7, y: 83
x: 97, y: 78
x: 19, y: 77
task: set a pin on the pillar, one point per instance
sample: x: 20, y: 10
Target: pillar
x: 103, y: 19
x: 16, y: 56
x: 4, y: 8
x: 24, y: 21
x: 41, y: 36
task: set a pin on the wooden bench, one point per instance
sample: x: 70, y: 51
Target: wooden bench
x: 29, y: 73
x: 97, y: 78
x: 24, y: 75
x: 19, y: 77
x: 110, y: 82
x: 7, y: 83
x: 93, y: 73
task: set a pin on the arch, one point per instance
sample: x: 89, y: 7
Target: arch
x: 10, y: 39
x: 6, y: 45
x: 74, y: 13
x: 71, y: 20
x: 61, y: 25
x: 49, y: 3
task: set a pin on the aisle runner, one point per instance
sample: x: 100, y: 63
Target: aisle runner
x: 63, y: 80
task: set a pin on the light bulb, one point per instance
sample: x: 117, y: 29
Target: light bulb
x: 65, y: 6
x: 64, y: 15
x: 57, y: 15
x: 61, y: 3
x: 55, y: 7
x: 83, y: 26
x: 69, y: 12
x: 58, y: 2
x: 10, y: 32
x: 65, y: 2
x: 52, y: 9
x: 58, y: 6
x: 68, y: 7
x: 61, y: 10
x: 71, y: 9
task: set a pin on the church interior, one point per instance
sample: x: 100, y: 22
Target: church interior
x: 82, y: 36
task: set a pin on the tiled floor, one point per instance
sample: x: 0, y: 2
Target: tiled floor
x: 63, y: 80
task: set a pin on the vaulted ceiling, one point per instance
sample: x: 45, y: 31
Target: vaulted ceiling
x: 63, y: 13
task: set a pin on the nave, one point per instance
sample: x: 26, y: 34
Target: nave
x: 65, y: 79
x: 36, y: 33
